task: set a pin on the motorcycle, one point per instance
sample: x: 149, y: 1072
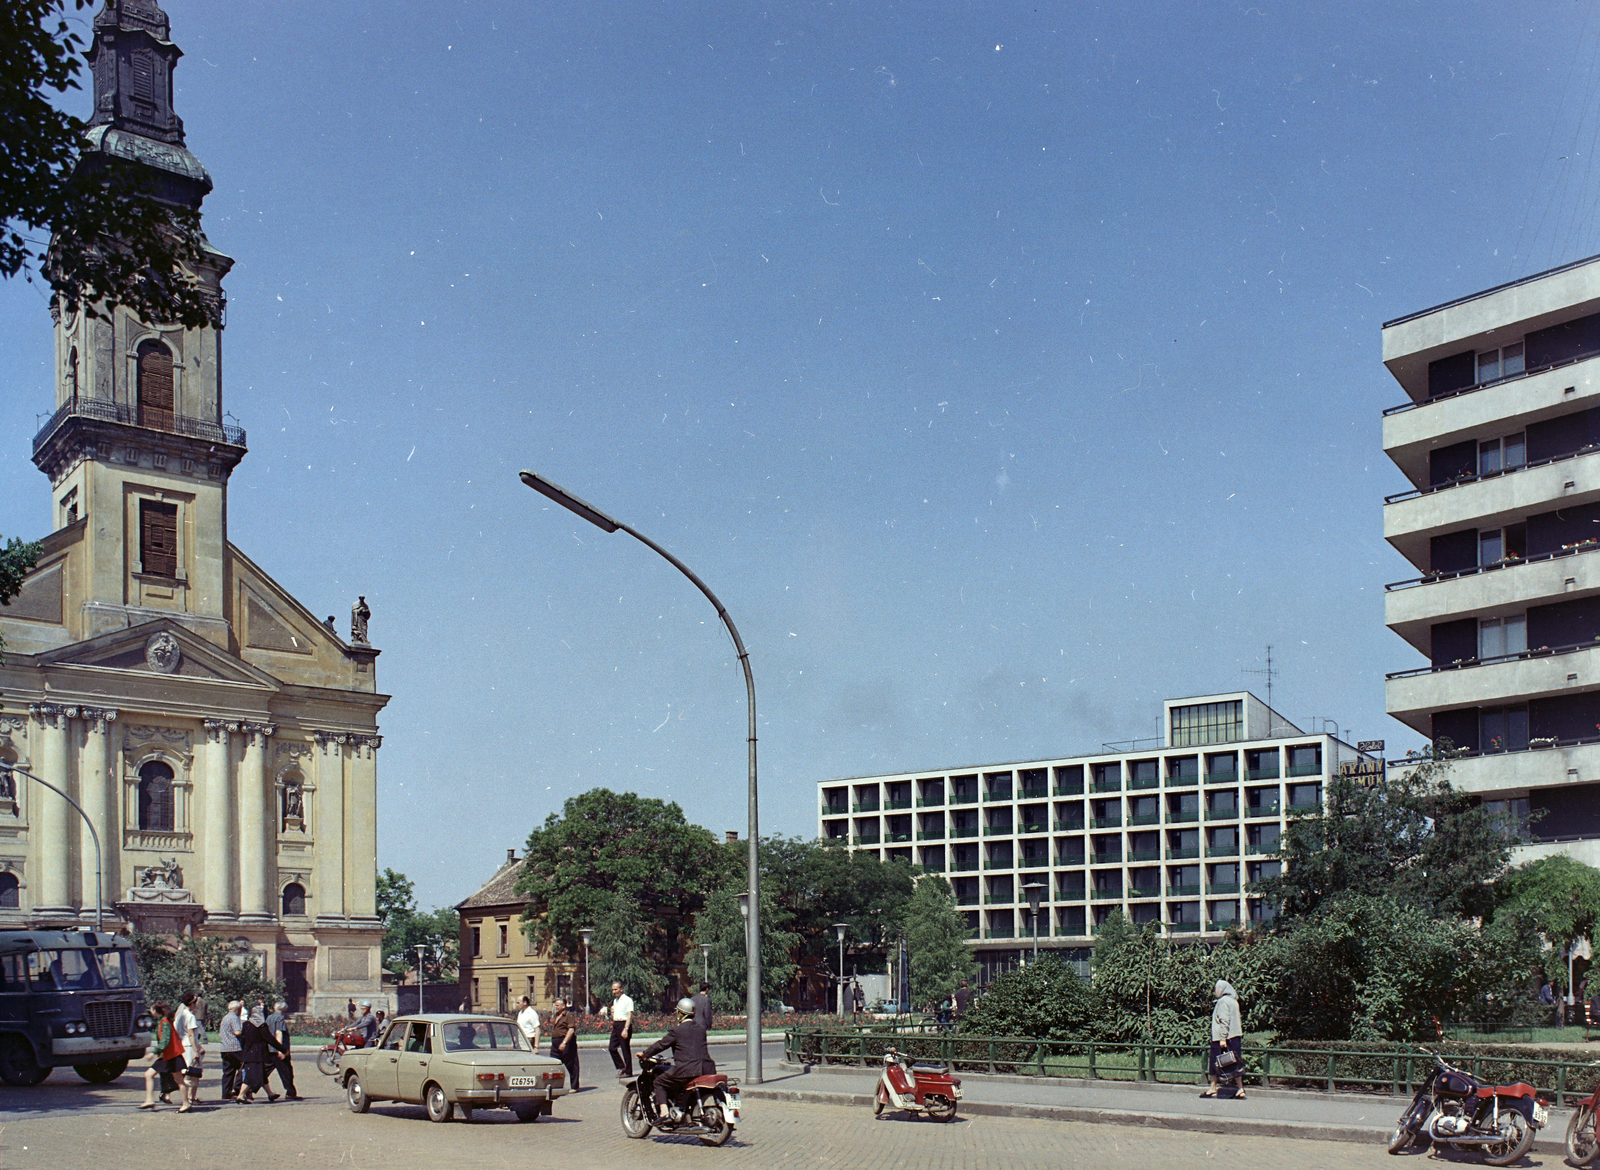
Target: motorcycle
x: 1582, y: 1144
x: 343, y: 1040
x: 709, y: 1108
x: 927, y: 1089
x: 1453, y: 1109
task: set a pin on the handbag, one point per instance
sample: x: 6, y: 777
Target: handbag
x: 1226, y: 1059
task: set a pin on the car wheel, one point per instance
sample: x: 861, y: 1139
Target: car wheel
x: 101, y: 1071
x: 528, y: 1110
x: 17, y: 1064
x: 355, y: 1096
x: 440, y: 1107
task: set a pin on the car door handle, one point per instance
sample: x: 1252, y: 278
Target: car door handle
x: 394, y: 1060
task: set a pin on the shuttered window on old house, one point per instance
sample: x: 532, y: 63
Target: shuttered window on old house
x: 158, y: 538
x: 155, y: 385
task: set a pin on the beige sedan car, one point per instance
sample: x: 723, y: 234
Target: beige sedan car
x: 445, y: 1063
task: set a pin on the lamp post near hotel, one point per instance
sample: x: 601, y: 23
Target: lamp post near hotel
x: 839, y: 929
x: 1035, y: 893
x: 705, y: 961
x: 588, y: 1000
x: 752, y: 1032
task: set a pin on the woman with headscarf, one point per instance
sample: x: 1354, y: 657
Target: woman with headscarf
x: 254, y: 1039
x: 1227, y: 1035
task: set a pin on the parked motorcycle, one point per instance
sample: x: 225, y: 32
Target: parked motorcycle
x: 709, y: 1108
x: 1453, y: 1109
x: 1582, y: 1144
x: 343, y: 1040
x: 927, y: 1089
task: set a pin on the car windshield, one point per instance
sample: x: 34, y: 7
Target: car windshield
x: 482, y: 1036
x: 66, y: 970
x: 118, y: 969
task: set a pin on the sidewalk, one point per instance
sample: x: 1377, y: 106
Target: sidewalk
x: 1340, y: 1117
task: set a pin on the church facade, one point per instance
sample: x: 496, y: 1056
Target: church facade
x: 221, y: 740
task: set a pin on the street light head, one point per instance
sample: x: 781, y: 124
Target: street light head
x: 1035, y: 894
x: 588, y: 933
x: 744, y: 904
x: 838, y: 930
x: 705, y: 949
x: 568, y: 501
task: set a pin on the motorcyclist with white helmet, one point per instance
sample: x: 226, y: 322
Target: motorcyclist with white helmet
x: 690, y: 1057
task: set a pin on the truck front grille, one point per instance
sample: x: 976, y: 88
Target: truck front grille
x: 109, y: 1020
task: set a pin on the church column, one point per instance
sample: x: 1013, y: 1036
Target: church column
x: 96, y: 775
x: 220, y: 837
x: 253, y: 853
x: 329, y: 826
x: 363, y: 827
x: 49, y: 816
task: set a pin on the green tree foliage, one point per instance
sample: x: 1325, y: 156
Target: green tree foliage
x: 605, y: 843
x: 617, y: 953
x: 1413, y: 839
x: 98, y: 234
x: 1560, y: 896
x: 936, y: 939
x: 1373, y: 968
x: 17, y: 559
x: 215, y: 969
x: 1042, y: 1001
x: 405, y: 928
x: 721, y: 924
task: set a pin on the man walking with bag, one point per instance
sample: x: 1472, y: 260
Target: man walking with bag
x: 280, y: 1050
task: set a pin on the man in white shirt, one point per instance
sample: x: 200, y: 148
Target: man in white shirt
x: 621, y: 1047
x: 528, y: 1021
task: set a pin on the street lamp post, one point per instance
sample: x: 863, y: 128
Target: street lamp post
x: 588, y: 1000
x: 420, y: 948
x: 99, y: 879
x: 838, y: 929
x: 705, y: 962
x: 1035, y: 893
x: 752, y: 1034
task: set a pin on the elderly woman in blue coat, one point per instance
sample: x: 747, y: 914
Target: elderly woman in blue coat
x: 1227, y: 1034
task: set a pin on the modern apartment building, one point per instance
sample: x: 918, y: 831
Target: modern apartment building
x: 1500, y: 439
x: 1171, y: 830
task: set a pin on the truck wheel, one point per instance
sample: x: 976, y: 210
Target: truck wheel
x: 17, y: 1065
x: 101, y: 1071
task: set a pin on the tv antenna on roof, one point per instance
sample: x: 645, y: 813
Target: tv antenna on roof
x: 1272, y: 713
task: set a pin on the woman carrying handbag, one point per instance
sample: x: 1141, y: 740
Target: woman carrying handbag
x: 1227, y: 1037
x: 166, y: 1058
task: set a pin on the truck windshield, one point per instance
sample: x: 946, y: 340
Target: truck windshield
x: 118, y: 969
x: 65, y: 970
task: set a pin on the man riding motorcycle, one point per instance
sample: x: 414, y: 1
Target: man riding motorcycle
x: 690, y: 1058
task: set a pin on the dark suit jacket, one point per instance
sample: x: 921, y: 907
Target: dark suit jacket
x: 702, y: 1010
x: 690, y: 1057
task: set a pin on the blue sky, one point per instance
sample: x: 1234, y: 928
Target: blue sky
x: 1005, y: 369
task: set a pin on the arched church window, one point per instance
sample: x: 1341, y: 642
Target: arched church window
x: 72, y: 372
x: 156, y: 804
x: 10, y: 892
x: 294, y: 898
x: 155, y: 385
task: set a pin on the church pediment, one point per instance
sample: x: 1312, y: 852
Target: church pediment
x: 160, y: 647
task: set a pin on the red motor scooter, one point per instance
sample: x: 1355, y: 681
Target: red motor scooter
x: 927, y: 1089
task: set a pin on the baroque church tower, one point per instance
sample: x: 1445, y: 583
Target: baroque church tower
x: 221, y: 739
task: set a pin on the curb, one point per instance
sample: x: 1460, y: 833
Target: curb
x: 1184, y: 1122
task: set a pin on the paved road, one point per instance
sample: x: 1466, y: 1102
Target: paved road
x: 65, y: 1123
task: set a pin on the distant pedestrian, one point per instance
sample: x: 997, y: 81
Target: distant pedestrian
x: 1227, y: 1038
x: 564, y: 1040
x: 280, y: 1054
x: 253, y: 1042
x: 1547, y: 994
x: 963, y: 1000
x: 702, y: 1006
x: 232, y: 1051
x: 351, y: 1008
x: 165, y: 1050
x: 858, y: 996
x: 528, y: 1021
x: 192, y: 1036
x: 621, y: 1048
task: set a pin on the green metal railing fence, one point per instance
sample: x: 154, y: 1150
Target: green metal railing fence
x: 1354, y: 1067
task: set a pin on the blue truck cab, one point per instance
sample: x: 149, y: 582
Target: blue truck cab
x: 69, y: 997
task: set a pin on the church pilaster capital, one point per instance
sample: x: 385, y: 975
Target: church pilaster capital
x: 256, y: 734
x: 99, y: 718
x: 218, y: 730
x: 52, y: 714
